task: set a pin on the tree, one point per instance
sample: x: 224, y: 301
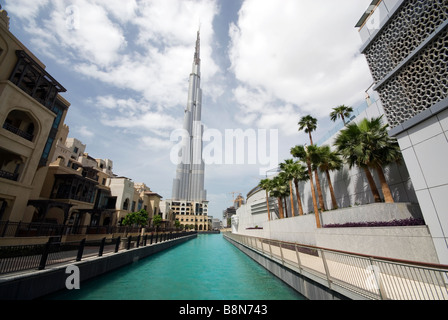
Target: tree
x: 266, y: 184
x: 341, y: 112
x: 279, y: 190
x: 295, y: 172
x: 329, y: 161
x: 301, y: 153
x: 156, y: 221
x: 177, y: 224
x: 368, y: 145
x: 139, y: 218
x: 314, y: 155
x: 308, y: 124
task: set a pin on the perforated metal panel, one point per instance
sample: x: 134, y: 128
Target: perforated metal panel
x: 422, y: 81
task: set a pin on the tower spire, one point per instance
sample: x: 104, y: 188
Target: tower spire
x: 197, y: 54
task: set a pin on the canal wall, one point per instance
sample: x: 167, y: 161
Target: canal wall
x: 36, y: 284
x: 412, y: 243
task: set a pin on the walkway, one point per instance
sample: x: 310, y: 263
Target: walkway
x: 370, y: 277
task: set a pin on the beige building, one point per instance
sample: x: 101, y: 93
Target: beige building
x: 31, y: 115
x: 192, y: 214
x: 45, y: 176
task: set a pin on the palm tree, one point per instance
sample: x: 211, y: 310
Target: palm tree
x: 301, y: 153
x: 348, y: 146
x: 279, y: 190
x: 314, y: 154
x: 308, y: 124
x: 266, y: 184
x: 296, y: 172
x: 368, y: 145
x: 329, y: 161
x: 289, y: 176
x: 341, y: 112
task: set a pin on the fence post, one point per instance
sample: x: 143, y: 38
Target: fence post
x: 117, y: 245
x: 152, y: 235
x: 129, y: 242
x: 43, y: 258
x: 327, y: 271
x: 100, y: 253
x: 138, y: 241
x: 5, y: 228
x: 81, y: 249
x: 157, y: 235
x: 378, y: 280
x: 145, y: 240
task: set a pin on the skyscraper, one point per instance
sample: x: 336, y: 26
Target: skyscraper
x: 189, y: 196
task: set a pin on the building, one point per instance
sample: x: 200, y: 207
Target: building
x: 32, y: 114
x: 189, y: 198
x: 405, y: 44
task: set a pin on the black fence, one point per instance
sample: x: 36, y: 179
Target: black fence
x: 38, y: 229
x: 28, y: 257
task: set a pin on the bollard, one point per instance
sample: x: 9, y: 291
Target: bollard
x: 152, y: 235
x: 81, y: 249
x: 100, y: 253
x: 43, y: 258
x: 138, y: 241
x: 129, y: 242
x: 117, y: 245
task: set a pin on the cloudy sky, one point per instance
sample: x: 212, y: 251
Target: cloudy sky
x: 126, y: 63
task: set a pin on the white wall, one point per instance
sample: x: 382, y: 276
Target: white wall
x: 425, y: 150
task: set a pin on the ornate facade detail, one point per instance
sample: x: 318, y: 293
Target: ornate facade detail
x: 411, y: 74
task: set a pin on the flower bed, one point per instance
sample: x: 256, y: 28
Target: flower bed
x: 394, y: 223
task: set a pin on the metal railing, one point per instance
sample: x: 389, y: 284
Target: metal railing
x: 42, y: 229
x: 370, y: 277
x: 38, y: 257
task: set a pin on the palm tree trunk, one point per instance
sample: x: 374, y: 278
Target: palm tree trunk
x: 376, y: 194
x: 286, y: 208
x: 280, y: 207
x: 299, y: 201
x: 267, y: 204
x: 319, y: 191
x: 313, y: 193
x: 330, y: 186
x: 388, y: 198
x: 291, y: 197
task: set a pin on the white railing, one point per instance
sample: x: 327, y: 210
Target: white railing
x: 370, y: 277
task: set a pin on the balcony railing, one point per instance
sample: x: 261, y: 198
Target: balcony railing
x: 9, y: 175
x: 18, y: 132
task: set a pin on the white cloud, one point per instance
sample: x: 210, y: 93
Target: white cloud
x: 301, y: 53
x: 85, y: 132
x: 143, y: 45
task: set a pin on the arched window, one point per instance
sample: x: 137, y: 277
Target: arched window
x: 21, y: 123
x: 126, y: 204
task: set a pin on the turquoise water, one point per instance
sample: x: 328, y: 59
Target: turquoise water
x: 205, y: 268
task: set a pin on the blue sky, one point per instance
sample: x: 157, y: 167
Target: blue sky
x: 126, y: 65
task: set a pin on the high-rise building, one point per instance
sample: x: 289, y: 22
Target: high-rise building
x: 189, y: 198
x: 405, y: 44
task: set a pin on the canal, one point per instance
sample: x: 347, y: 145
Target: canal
x: 205, y: 268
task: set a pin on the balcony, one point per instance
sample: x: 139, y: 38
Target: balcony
x: 9, y: 175
x: 17, y: 131
x: 35, y: 81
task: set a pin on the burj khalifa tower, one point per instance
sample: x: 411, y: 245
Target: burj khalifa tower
x: 189, y: 182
